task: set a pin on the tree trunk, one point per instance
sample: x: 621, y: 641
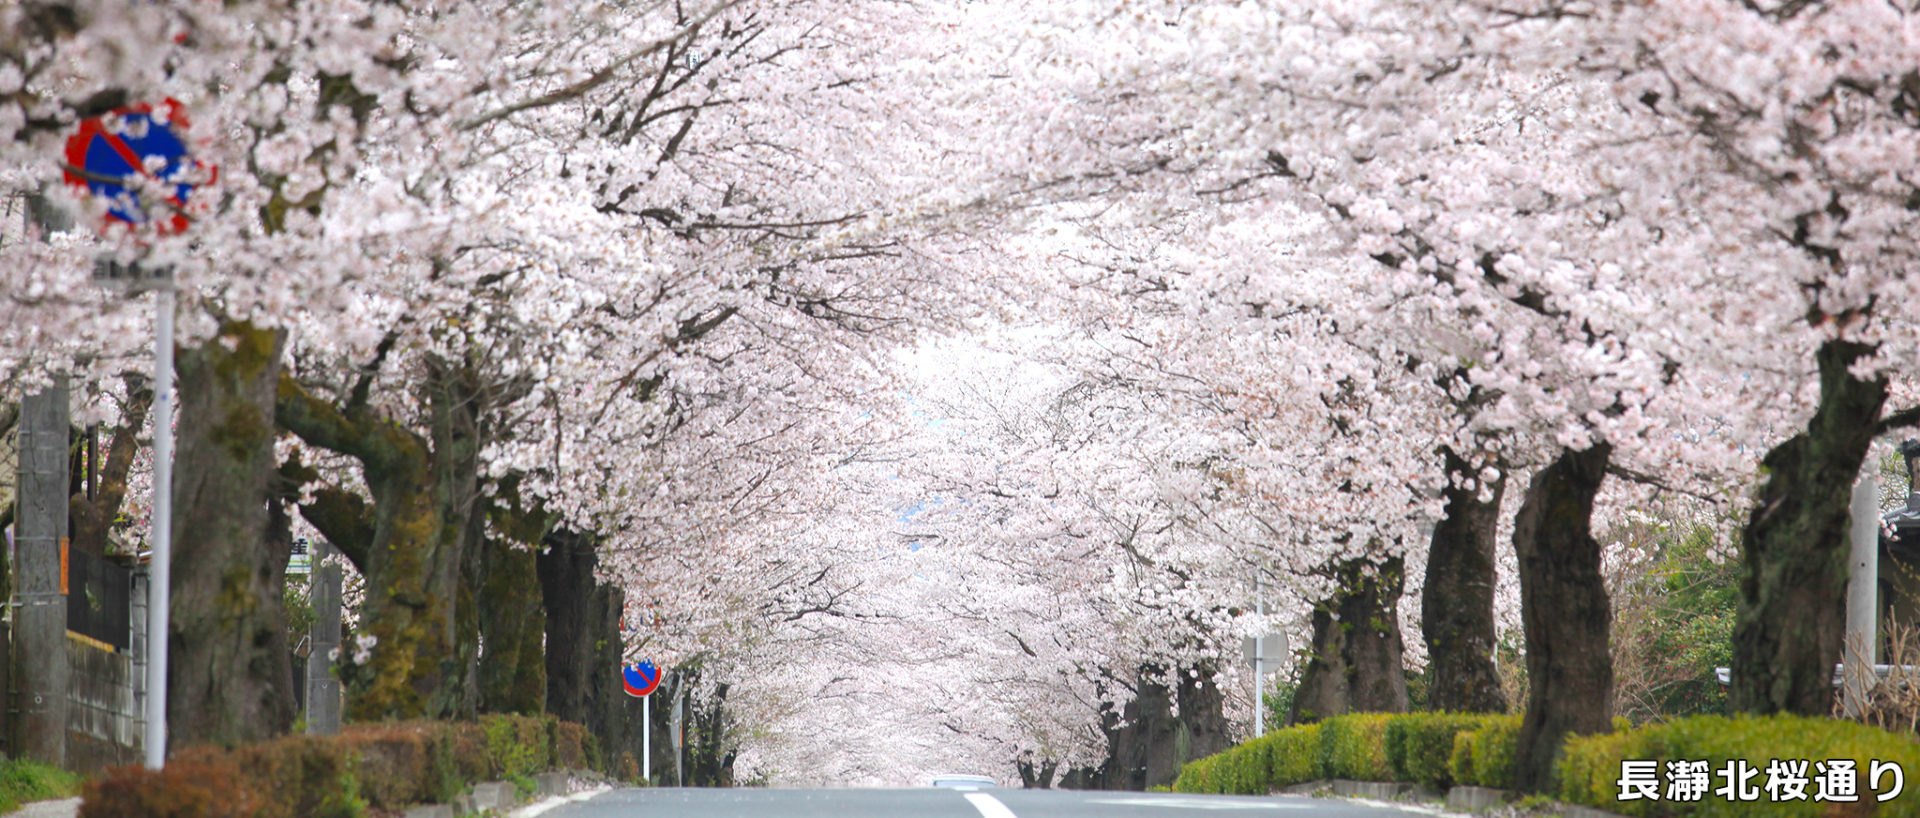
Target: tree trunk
x: 584, y: 646
x: 1564, y: 611
x: 710, y: 752
x: 1456, y: 611
x: 1151, y: 743
x: 513, y: 672
x: 231, y: 674
x: 94, y: 512
x: 410, y: 557
x: 1356, y: 661
x: 1788, y: 634
x: 455, y: 405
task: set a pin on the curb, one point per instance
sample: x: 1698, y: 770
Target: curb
x: 1462, y: 799
x: 500, y: 797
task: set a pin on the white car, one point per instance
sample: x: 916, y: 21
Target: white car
x: 964, y: 782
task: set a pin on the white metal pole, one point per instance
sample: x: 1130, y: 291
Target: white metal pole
x: 1259, y: 666
x: 1863, y: 588
x: 646, y: 739
x: 159, y: 581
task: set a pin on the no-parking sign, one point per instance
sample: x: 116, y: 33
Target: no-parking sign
x: 139, y: 140
x: 641, y: 679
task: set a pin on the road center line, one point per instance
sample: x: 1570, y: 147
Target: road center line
x: 989, y: 806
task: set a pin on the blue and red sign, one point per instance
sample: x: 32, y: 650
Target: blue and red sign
x: 137, y: 140
x: 641, y: 679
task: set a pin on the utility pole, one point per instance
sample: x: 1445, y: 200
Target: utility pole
x: 323, y: 690
x: 1863, y: 587
x: 41, y: 673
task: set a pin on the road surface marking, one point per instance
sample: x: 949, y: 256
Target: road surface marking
x: 989, y: 806
x: 1193, y: 803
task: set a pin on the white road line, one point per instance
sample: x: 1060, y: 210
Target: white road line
x: 989, y: 806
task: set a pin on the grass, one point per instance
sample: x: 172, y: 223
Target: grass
x: 22, y: 781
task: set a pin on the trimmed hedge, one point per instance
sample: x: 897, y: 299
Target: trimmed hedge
x: 382, y: 766
x: 1590, y: 771
x: 1484, y: 757
x: 1479, y: 750
x: 1420, y: 745
x: 1355, y: 746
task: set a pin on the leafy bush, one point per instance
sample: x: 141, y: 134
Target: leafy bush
x: 517, y: 747
x: 1294, y: 755
x: 379, y: 766
x: 1590, y: 770
x: 22, y: 781
x: 1198, y: 775
x: 396, y: 763
x: 296, y: 777
x: 1354, y: 746
x: 186, y: 788
x: 1484, y: 757
x: 570, y: 745
x: 1419, y: 746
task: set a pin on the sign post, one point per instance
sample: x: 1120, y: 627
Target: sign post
x: 641, y: 680
x: 103, y: 158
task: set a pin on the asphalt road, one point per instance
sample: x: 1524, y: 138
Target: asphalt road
x: 946, y: 803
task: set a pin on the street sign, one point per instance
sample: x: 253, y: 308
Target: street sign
x: 138, y: 140
x: 1270, y: 649
x: 640, y: 680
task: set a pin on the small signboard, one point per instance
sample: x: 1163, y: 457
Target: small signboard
x: 110, y: 151
x: 1270, y: 650
x: 641, y: 679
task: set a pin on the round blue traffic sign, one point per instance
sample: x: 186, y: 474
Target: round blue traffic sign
x: 138, y: 140
x: 641, y: 679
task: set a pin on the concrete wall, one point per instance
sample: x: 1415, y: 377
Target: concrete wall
x: 103, y: 725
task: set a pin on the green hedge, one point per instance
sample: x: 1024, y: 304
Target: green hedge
x: 1440, y: 749
x: 1484, y: 757
x: 1591, y: 770
x: 1355, y: 746
x: 1420, y: 746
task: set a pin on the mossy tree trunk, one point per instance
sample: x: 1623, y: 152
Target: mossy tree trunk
x: 1564, y: 612
x: 1355, y: 661
x: 513, y: 620
x: 231, y: 675
x: 1788, y: 632
x: 403, y: 547
x: 457, y: 403
x: 1456, y: 612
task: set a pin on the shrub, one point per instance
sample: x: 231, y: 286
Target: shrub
x: 1420, y: 745
x: 187, y: 788
x: 516, y: 747
x: 22, y: 781
x: 1294, y: 757
x: 570, y: 745
x: 1354, y: 746
x: 1198, y: 776
x: 383, y: 766
x: 395, y: 763
x: 1590, y: 770
x: 1242, y: 769
x: 298, y: 777
x: 1484, y: 757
